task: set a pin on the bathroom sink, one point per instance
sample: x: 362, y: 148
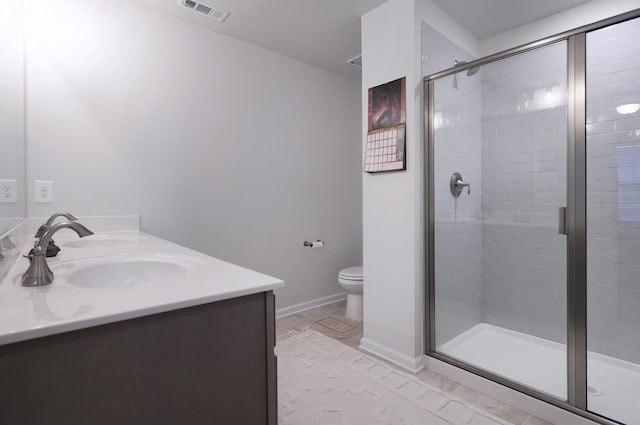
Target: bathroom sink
x: 133, y: 271
x: 103, y: 240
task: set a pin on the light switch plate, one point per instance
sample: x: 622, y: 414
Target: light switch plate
x: 43, y: 191
x: 8, y: 191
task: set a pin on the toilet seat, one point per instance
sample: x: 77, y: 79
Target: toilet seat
x: 351, y: 274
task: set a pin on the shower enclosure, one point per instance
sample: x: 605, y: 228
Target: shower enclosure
x: 533, y: 218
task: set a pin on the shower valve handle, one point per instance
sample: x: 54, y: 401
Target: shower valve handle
x: 456, y: 184
x: 462, y: 184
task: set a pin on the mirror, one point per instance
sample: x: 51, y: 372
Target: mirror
x: 12, y: 148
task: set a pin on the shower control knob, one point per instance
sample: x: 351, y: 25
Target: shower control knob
x: 456, y: 185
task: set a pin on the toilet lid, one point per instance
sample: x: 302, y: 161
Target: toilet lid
x: 351, y: 273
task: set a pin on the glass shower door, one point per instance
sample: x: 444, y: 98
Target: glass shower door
x: 613, y: 221
x: 499, y: 160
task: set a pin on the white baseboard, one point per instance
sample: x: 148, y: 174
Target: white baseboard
x: 297, y: 308
x: 406, y: 362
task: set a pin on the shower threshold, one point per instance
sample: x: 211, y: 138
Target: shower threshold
x: 542, y: 364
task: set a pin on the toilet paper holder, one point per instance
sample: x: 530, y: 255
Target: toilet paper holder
x: 316, y: 244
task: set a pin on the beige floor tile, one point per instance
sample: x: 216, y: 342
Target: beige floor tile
x: 318, y: 318
x: 438, y: 381
x: 309, y: 318
x: 293, y: 322
x: 493, y: 406
x: 353, y: 341
x: 532, y: 420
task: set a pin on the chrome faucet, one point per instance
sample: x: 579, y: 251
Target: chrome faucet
x: 52, y: 248
x: 39, y: 273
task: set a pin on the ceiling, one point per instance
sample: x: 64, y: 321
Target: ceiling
x: 323, y: 33
x: 484, y: 18
x: 327, y: 33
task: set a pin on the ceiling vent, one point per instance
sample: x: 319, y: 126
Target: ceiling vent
x: 202, y: 9
x: 357, y: 61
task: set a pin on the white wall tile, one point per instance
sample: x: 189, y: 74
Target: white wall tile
x: 613, y: 223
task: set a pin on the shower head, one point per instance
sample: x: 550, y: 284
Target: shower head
x: 470, y: 71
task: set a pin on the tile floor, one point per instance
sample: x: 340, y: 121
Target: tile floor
x: 329, y: 320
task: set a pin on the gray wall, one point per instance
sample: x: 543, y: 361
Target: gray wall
x: 12, y: 161
x: 221, y: 146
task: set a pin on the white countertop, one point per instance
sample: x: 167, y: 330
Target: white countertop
x: 27, y: 313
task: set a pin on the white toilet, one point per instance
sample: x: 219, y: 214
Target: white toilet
x: 350, y: 280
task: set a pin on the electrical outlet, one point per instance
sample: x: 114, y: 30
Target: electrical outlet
x: 43, y: 191
x: 8, y: 191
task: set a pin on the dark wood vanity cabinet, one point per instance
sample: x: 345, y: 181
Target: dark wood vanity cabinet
x: 211, y: 364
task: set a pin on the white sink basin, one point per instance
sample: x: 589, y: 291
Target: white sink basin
x: 133, y: 271
x: 101, y: 240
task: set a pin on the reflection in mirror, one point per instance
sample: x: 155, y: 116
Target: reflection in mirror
x: 12, y: 149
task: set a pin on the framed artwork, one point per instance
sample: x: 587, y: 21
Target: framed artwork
x: 386, y: 130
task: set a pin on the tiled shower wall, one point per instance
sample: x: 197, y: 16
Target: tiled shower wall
x: 499, y: 256
x: 524, y: 153
x: 613, y: 192
x: 457, y: 220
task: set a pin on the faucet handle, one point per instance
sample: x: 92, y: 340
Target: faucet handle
x: 52, y: 249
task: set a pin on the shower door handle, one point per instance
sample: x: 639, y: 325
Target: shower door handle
x: 562, y: 220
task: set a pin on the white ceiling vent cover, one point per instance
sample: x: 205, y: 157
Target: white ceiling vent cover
x: 202, y: 9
